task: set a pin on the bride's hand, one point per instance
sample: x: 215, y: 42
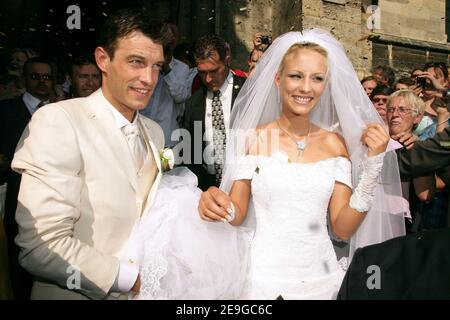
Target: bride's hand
x: 214, y: 205
x: 375, y: 138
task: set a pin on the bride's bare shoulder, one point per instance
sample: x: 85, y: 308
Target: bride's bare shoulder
x: 332, y: 142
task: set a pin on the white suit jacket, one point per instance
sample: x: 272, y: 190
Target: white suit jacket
x: 79, y: 196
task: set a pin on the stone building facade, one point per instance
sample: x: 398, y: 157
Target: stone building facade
x: 400, y: 33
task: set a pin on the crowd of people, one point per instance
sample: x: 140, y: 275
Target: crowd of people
x: 273, y: 165
x: 414, y: 109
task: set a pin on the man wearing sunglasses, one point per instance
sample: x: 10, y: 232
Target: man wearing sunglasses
x: 14, y: 117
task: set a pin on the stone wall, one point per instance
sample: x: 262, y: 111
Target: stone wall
x: 347, y: 22
x: 407, y: 33
x: 239, y: 20
x: 414, y: 19
x: 411, y: 33
x: 287, y: 16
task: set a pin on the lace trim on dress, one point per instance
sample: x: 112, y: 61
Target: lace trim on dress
x: 152, y: 271
x: 155, y: 265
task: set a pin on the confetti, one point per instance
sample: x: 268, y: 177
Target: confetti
x: 243, y: 9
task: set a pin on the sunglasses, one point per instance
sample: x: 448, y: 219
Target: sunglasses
x: 40, y: 76
x: 376, y: 100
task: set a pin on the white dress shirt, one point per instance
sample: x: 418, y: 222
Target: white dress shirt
x: 127, y: 272
x: 226, y: 96
x: 31, y: 102
x: 167, y: 101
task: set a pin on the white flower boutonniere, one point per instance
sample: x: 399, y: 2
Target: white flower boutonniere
x: 167, y: 159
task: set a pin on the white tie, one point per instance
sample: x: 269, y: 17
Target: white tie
x: 135, y: 143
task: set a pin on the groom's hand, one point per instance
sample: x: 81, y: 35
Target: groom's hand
x: 214, y: 205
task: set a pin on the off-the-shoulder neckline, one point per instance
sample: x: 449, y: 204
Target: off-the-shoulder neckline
x: 279, y: 155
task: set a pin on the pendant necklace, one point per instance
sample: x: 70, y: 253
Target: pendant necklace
x: 301, y: 144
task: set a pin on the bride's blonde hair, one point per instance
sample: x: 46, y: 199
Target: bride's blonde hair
x: 301, y: 46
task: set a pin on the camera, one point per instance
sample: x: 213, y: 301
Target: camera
x: 422, y: 82
x: 266, y: 40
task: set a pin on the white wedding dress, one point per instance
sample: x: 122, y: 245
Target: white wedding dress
x: 182, y: 257
x: 291, y: 253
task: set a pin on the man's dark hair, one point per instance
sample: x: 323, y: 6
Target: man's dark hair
x: 388, y: 73
x: 82, y: 60
x: 126, y: 21
x: 207, y: 45
x: 43, y: 60
x: 381, y: 90
x: 406, y: 80
x: 439, y: 65
x: 415, y: 69
x: 369, y: 78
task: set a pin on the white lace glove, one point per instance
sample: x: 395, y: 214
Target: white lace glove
x: 364, y: 193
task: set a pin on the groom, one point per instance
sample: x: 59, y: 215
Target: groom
x: 90, y: 168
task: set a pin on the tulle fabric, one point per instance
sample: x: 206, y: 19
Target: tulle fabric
x: 182, y: 256
x: 343, y: 108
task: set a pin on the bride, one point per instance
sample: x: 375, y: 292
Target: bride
x: 296, y: 172
x: 317, y: 137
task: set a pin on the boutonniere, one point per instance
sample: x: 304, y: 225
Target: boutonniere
x: 167, y: 159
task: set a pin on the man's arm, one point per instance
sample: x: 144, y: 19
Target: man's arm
x: 426, y: 156
x: 178, y: 82
x: 49, y: 205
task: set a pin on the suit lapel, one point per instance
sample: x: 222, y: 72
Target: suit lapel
x: 201, y: 103
x: 199, y: 110
x: 202, y: 116
x: 155, y: 152
x: 237, y: 84
x: 103, y: 120
x: 23, y: 110
x: 147, y: 137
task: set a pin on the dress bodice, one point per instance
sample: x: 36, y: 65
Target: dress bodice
x: 290, y: 200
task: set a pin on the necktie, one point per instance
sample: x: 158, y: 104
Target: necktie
x: 219, y: 135
x: 135, y: 143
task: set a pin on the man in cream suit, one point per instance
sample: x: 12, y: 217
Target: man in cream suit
x: 84, y: 183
